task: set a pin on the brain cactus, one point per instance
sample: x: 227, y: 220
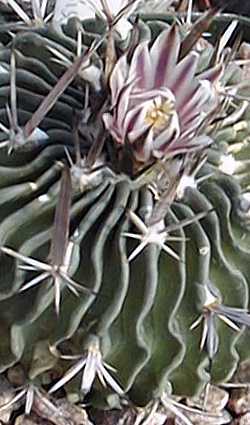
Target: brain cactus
x: 124, y: 191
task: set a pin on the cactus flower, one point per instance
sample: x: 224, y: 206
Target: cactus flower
x: 158, y: 103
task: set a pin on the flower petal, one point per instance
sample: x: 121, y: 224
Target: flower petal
x: 164, y: 54
x: 143, y: 147
x: 118, y: 77
x: 168, y: 135
x: 183, y: 76
x: 110, y: 125
x: 123, y: 104
x: 134, y: 124
x: 141, y: 66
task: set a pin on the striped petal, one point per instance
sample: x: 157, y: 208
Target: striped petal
x: 164, y: 54
x: 183, y: 75
x: 142, y: 67
x: 143, y: 147
x: 118, y: 77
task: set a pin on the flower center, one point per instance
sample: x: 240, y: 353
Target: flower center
x: 160, y: 114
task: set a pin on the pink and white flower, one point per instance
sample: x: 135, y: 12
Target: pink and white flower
x: 158, y: 102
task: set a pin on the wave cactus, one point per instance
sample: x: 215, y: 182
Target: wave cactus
x: 121, y: 221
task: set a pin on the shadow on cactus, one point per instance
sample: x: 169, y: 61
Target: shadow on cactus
x: 124, y: 208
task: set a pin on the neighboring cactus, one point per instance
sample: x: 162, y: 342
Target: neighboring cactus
x: 115, y: 260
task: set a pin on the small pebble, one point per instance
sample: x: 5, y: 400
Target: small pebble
x: 30, y: 420
x: 243, y: 420
x: 213, y: 399
x: 240, y: 401
x: 6, y: 395
x: 16, y: 375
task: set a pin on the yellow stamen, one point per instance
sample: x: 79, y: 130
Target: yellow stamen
x: 159, y: 116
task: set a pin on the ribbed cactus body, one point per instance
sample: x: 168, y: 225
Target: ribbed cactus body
x: 141, y: 310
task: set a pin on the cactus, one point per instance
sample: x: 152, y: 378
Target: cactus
x: 124, y: 229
